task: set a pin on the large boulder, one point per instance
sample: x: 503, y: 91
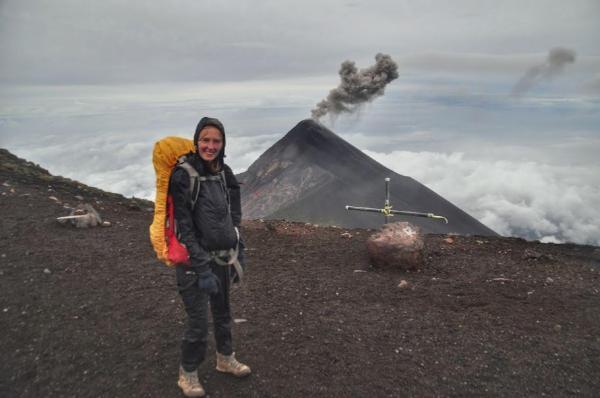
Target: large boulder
x: 83, y: 216
x: 397, y: 245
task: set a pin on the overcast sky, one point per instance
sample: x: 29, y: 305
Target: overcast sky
x: 480, y: 112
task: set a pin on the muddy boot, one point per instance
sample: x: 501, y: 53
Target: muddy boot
x: 189, y: 383
x: 228, y: 364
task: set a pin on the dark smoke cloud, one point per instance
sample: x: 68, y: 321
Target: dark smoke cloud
x: 555, y: 64
x: 357, y: 87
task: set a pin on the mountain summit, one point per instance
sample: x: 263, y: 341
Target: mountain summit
x: 311, y: 174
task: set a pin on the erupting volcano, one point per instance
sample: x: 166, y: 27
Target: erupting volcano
x: 311, y: 174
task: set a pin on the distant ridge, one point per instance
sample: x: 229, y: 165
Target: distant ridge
x: 311, y: 174
x: 17, y: 169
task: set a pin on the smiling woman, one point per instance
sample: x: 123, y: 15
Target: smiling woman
x: 209, y: 144
x: 208, y: 227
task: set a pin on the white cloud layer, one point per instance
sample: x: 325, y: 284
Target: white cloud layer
x: 526, y: 168
x: 514, y: 198
x: 117, y: 164
x: 552, y: 203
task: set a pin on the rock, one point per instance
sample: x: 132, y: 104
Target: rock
x: 47, y: 271
x: 346, y: 235
x: 531, y: 254
x: 549, y: 280
x: 449, y: 240
x: 133, y: 205
x: 54, y: 198
x: 83, y: 216
x: 397, y: 245
x: 106, y: 223
x: 403, y: 284
x: 270, y: 226
x: 78, y: 197
x: 501, y: 280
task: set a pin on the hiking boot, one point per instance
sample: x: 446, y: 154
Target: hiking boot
x: 189, y: 383
x: 228, y: 364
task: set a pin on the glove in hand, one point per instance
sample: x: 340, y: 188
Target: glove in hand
x: 209, y: 282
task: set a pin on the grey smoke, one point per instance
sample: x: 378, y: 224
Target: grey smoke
x: 555, y: 63
x: 357, y: 86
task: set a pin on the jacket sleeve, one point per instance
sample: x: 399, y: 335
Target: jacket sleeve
x: 179, y: 189
x: 234, y: 197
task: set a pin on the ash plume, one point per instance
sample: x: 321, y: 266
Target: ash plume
x: 555, y: 63
x: 357, y: 86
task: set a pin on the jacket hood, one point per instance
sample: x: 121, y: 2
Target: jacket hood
x: 211, y: 121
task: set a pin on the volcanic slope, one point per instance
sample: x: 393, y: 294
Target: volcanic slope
x: 311, y: 174
x: 92, y: 313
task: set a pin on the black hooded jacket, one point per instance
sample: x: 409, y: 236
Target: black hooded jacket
x: 210, y: 225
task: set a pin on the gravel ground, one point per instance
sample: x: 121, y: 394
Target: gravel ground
x: 93, y: 313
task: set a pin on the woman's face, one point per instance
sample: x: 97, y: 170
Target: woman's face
x: 210, y: 143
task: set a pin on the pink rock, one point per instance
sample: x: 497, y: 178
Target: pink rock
x: 397, y: 245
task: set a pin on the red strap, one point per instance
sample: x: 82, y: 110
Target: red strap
x: 177, y: 253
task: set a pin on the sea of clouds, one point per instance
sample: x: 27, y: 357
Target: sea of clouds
x: 110, y: 163
x: 551, y: 203
x: 537, y: 201
x: 533, y: 174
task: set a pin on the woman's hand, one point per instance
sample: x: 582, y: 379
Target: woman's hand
x: 209, y: 282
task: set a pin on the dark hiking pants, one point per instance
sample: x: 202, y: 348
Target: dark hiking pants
x: 193, y: 345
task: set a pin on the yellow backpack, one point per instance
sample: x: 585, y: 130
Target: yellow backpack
x: 164, y: 158
x: 168, y: 153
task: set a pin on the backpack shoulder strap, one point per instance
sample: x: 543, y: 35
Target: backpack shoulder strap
x: 225, y: 188
x: 194, y: 179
